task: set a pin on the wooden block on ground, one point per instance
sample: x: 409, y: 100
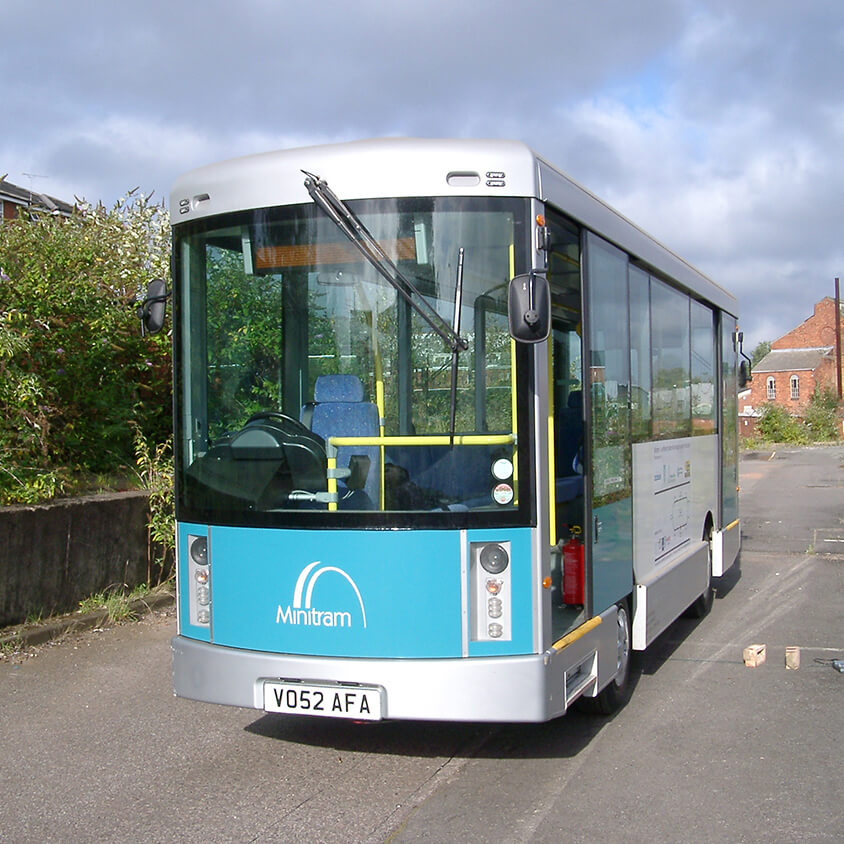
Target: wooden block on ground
x: 754, y: 655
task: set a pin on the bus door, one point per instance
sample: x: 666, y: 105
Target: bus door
x: 610, y: 514
x: 566, y: 428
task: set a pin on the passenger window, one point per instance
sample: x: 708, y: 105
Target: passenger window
x: 671, y: 357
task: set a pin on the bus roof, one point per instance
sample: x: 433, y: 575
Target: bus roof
x: 404, y: 167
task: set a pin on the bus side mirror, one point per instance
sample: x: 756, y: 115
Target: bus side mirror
x: 529, y: 308
x: 153, y: 307
x: 745, y: 375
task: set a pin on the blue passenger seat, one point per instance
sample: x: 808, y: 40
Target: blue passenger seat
x: 340, y: 411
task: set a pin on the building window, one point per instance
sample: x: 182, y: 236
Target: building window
x: 795, y: 387
x: 772, y: 389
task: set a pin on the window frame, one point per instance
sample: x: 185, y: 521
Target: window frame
x: 522, y: 514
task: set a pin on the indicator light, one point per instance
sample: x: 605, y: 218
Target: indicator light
x: 201, y: 575
x: 203, y: 616
x: 203, y: 596
x: 495, y: 630
x: 493, y: 586
x: 494, y: 607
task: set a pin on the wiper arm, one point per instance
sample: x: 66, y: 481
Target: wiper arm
x: 371, y: 249
x: 455, y: 353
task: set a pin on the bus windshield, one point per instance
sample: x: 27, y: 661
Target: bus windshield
x: 308, y: 384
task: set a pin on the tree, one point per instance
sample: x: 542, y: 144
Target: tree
x: 760, y: 351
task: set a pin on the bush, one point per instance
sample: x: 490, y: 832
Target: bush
x: 821, y: 422
x: 154, y: 468
x: 777, y: 425
x: 74, y: 370
x: 821, y: 419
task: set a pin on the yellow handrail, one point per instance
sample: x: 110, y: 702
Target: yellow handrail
x: 434, y: 439
x: 552, y: 460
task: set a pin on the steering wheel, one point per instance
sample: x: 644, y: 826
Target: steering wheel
x: 287, y: 423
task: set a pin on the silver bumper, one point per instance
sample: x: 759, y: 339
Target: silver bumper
x: 527, y: 688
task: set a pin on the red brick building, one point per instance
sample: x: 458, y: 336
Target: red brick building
x: 799, y: 362
x: 14, y: 199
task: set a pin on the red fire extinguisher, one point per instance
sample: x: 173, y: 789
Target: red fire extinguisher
x: 573, y: 568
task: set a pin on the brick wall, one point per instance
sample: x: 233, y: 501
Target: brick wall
x: 808, y: 381
x: 818, y: 330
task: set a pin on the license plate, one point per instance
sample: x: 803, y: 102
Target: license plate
x: 362, y: 703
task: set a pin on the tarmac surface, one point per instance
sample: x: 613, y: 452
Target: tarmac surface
x: 93, y: 745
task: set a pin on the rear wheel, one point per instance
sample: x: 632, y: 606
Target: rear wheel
x: 703, y: 604
x: 616, y: 693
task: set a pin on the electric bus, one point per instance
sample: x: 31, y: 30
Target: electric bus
x: 452, y: 436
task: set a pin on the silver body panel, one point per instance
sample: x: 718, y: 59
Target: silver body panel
x: 399, y: 167
x: 388, y: 167
x: 658, y: 601
x: 530, y: 688
x: 726, y: 545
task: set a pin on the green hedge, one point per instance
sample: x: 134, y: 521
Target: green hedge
x: 819, y: 424
x: 74, y: 370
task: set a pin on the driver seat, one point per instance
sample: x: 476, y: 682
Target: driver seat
x: 338, y: 410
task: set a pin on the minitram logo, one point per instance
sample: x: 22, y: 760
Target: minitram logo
x: 302, y: 612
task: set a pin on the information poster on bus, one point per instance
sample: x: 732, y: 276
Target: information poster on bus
x: 672, y: 478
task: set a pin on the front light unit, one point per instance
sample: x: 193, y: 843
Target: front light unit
x: 494, y: 558
x: 198, y: 581
x: 489, y: 571
x: 198, y: 548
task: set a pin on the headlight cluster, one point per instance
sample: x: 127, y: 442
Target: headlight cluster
x: 491, y: 605
x: 199, y: 581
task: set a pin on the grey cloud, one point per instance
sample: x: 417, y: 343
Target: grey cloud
x: 726, y: 143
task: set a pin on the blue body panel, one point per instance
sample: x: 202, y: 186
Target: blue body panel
x: 352, y: 593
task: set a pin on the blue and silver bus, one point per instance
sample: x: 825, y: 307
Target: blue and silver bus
x: 453, y: 437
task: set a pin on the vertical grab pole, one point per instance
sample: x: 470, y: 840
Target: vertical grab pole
x: 513, y: 387
x: 331, y: 465
x: 552, y: 470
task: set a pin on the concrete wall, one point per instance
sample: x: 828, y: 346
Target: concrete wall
x: 54, y: 555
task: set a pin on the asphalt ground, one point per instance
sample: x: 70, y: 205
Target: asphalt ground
x: 93, y: 745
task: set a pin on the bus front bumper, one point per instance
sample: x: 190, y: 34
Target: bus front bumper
x: 528, y: 688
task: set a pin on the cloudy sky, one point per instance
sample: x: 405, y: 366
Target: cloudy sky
x: 717, y: 125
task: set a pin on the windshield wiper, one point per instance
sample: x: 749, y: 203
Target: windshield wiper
x: 455, y: 352
x: 371, y: 249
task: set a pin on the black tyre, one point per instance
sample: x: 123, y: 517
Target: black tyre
x: 617, y: 692
x: 703, y: 604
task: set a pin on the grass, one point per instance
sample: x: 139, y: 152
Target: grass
x: 10, y: 648
x: 115, y: 600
